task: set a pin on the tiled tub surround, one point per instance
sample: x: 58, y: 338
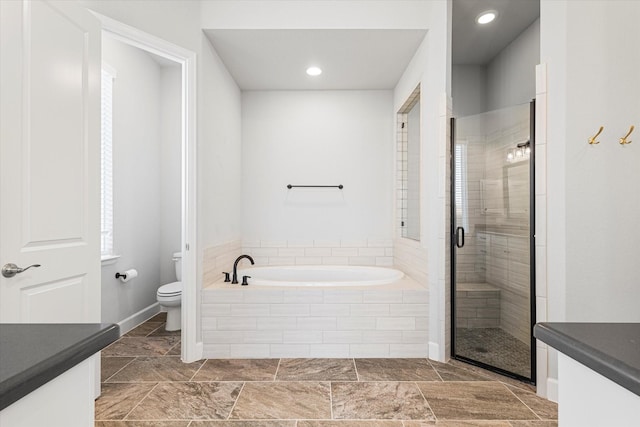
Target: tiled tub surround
x: 369, y: 251
x: 369, y: 321
x: 219, y: 258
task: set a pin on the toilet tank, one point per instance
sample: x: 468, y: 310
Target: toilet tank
x: 177, y: 259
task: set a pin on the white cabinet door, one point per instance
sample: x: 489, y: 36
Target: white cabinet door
x: 49, y: 161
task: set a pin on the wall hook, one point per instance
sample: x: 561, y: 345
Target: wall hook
x: 623, y: 140
x: 592, y: 140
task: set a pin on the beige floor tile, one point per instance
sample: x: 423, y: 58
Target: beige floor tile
x: 141, y: 346
x: 543, y: 423
x: 243, y: 423
x: 379, y: 401
x: 176, y: 350
x: 350, y: 423
x: 149, y: 386
x: 162, y: 332
x: 490, y: 376
x: 452, y: 372
x: 474, y: 400
x: 316, y: 370
x: 142, y: 424
x: 237, y: 370
x: 396, y: 370
x: 187, y: 401
x: 419, y: 423
x: 160, y: 317
x: 117, y: 400
x: 283, y: 400
x: 472, y: 423
x: 156, y: 369
x: 545, y: 409
x: 111, y: 365
x: 144, y: 329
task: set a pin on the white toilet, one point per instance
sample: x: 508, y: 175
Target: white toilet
x: 170, y: 297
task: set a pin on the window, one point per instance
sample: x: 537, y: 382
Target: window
x: 462, y: 209
x: 106, y: 154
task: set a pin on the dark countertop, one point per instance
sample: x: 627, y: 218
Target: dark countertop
x: 32, y: 354
x: 610, y: 349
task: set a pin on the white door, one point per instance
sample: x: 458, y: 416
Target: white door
x: 49, y: 162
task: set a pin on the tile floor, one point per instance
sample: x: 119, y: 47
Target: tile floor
x: 144, y: 384
x: 494, y: 347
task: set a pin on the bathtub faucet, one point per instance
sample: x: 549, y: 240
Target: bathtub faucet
x: 235, y: 267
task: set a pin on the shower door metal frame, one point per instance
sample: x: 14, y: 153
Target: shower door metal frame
x: 532, y: 253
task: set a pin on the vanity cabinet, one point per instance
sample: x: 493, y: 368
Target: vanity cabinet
x: 598, y: 372
x: 49, y: 373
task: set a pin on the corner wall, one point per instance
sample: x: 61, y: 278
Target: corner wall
x: 592, y: 209
x: 430, y: 67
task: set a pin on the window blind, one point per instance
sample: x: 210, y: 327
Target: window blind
x: 462, y: 198
x: 106, y: 155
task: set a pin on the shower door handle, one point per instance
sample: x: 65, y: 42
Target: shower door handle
x: 459, y: 237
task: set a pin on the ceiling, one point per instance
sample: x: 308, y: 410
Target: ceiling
x: 350, y: 59
x: 474, y: 44
x: 276, y: 59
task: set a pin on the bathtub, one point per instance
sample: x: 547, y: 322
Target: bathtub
x: 316, y: 311
x: 321, y: 275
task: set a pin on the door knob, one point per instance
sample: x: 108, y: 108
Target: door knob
x: 10, y: 270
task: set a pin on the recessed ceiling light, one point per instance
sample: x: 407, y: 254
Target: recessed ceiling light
x: 486, y: 17
x: 314, y: 71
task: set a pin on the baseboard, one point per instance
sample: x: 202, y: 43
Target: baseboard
x: 137, y: 318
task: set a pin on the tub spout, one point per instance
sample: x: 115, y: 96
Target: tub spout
x: 235, y: 267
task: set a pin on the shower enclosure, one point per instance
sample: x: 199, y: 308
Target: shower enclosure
x: 492, y: 245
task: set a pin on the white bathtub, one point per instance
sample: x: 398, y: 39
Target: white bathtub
x: 320, y: 275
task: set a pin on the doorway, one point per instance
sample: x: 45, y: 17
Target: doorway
x: 492, y: 245
x: 191, y: 345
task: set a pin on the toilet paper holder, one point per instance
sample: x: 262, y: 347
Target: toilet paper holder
x: 127, y: 275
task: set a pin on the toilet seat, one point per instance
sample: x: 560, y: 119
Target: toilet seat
x: 173, y: 289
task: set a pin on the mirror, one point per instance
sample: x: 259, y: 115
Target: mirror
x: 409, y: 166
x: 516, y: 183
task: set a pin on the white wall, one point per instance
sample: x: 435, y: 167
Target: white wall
x: 219, y: 152
x: 469, y: 87
x: 511, y: 75
x: 317, y: 138
x: 592, y: 200
x: 170, y: 169
x: 508, y: 79
x: 136, y: 184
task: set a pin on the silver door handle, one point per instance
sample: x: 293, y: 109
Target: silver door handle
x: 10, y: 270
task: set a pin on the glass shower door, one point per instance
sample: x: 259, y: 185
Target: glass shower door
x: 492, y: 237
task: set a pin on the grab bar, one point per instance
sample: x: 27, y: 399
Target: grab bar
x: 289, y: 186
